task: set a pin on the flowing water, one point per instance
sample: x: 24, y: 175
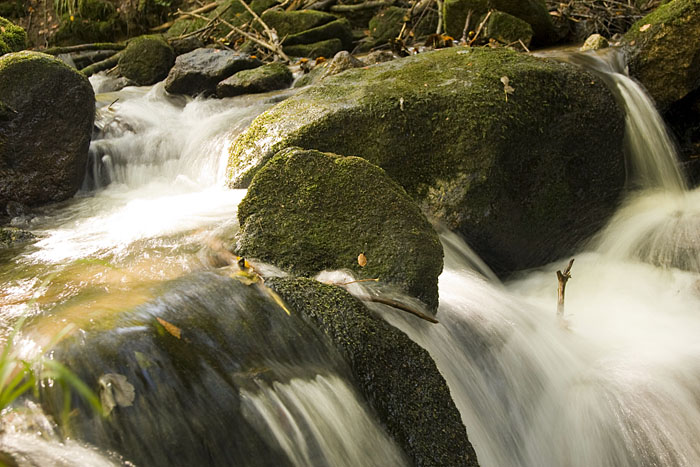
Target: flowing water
x: 617, y: 383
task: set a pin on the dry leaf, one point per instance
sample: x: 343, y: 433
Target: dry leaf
x: 115, y: 390
x: 645, y: 27
x: 171, y: 328
x: 362, y: 260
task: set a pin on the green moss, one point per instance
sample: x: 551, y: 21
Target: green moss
x: 507, y: 29
x: 670, y: 14
x: 11, y: 8
x: 456, y: 11
x: 146, y: 60
x: 288, y: 23
x: 396, y: 376
x: 266, y: 78
x: 387, y: 24
x: 12, y: 37
x: 339, y: 29
x: 99, y: 10
x: 231, y: 11
x: 326, y: 48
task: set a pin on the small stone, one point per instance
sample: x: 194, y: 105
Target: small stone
x: 595, y: 42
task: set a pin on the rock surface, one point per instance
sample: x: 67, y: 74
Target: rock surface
x: 331, y: 209
x: 199, y: 71
x: 510, y: 169
x: 397, y: 377
x: 45, y: 132
x: 146, y: 60
x: 661, y: 54
x: 266, y: 78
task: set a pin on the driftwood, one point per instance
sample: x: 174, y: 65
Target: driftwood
x: 205, y: 9
x: 402, y: 307
x: 562, y: 278
x: 84, y: 48
x: 101, y: 66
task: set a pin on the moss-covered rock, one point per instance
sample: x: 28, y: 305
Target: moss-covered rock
x: 12, y: 37
x: 199, y: 71
x: 94, y: 21
x: 387, y: 24
x: 510, y: 171
x: 288, y: 23
x: 146, y: 60
x: 397, y: 377
x: 11, y: 236
x: 326, y: 48
x: 44, y: 141
x: 262, y: 79
x: 338, y: 29
x: 662, y: 55
x: 507, y: 29
x: 533, y: 12
x: 11, y: 8
x: 595, y: 42
x: 331, y: 209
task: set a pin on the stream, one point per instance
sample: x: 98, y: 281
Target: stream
x: 615, y: 383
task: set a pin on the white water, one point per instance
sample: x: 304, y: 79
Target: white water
x: 619, y: 387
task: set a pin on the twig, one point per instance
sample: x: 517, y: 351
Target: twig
x: 402, y: 307
x: 465, y: 31
x: 524, y: 46
x: 271, y: 34
x: 478, y: 30
x: 84, y: 48
x: 360, y: 6
x: 101, y: 66
x: 562, y: 279
x: 441, y: 18
x: 205, y: 9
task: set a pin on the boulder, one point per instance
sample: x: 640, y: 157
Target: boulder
x: 595, y: 42
x: 11, y: 236
x: 387, y: 24
x: 45, y: 134
x: 338, y: 29
x: 507, y: 29
x: 508, y: 149
x: 331, y: 209
x: 288, y: 23
x: 398, y: 378
x: 12, y: 37
x: 661, y: 54
x: 266, y: 78
x: 199, y: 71
x: 326, y: 48
x: 146, y: 60
x: 94, y: 21
x: 533, y: 12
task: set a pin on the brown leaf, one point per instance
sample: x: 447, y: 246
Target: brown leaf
x: 362, y: 260
x: 645, y: 27
x: 171, y: 328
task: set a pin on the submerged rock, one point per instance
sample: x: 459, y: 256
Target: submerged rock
x: 508, y: 149
x: 331, y: 209
x: 262, y: 79
x: 146, y: 60
x: 11, y: 236
x: 662, y: 55
x: 13, y: 38
x: 397, y: 377
x: 45, y: 128
x: 199, y: 71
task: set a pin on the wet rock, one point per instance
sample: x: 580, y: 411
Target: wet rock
x: 379, y: 56
x: 533, y: 12
x: 397, y: 377
x: 266, y: 78
x: 510, y: 171
x: 45, y: 134
x: 342, y: 61
x: 661, y: 56
x: 326, y: 48
x: 199, y: 71
x: 146, y: 60
x: 186, y: 44
x: 331, y: 209
x: 507, y: 29
x: 11, y: 236
x: 12, y: 37
x: 595, y: 42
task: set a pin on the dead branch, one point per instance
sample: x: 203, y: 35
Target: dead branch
x: 402, y: 307
x: 441, y: 18
x: 84, y: 48
x: 205, y: 9
x: 481, y: 25
x: 465, y: 31
x: 562, y: 278
x: 360, y: 6
x: 101, y: 66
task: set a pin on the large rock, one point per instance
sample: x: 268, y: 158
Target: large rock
x: 146, y: 60
x: 199, y: 71
x: 45, y: 133
x: 664, y: 56
x: 524, y: 175
x: 397, y: 377
x: 533, y: 12
x: 507, y: 29
x: 12, y: 37
x: 288, y: 23
x: 331, y: 209
x: 270, y: 77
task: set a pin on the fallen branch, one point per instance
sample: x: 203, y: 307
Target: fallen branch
x: 101, y: 66
x: 402, y: 307
x: 84, y: 48
x: 205, y: 9
x: 481, y: 26
x: 465, y: 31
x: 360, y: 6
x: 562, y: 277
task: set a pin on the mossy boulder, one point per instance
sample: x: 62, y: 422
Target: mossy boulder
x: 270, y: 77
x: 509, y: 171
x: 507, y: 29
x: 146, y: 60
x: 44, y: 137
x: 13, y: 38
x: 94, y: 21
x: 199, y: 71
x: 338, y: 29
x: 662, y: 54
x: 397, y: 377
x: 387, y: 24
x: 288, y: 23
x: 327, y: 48
x: 595, y: 42
x: 331, y: 209
x: 11, y: 236
x: 533, y: 12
